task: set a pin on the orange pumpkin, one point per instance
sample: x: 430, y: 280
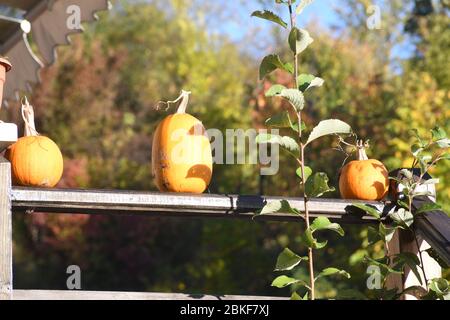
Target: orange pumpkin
x: 181, y: 153
x: 35, y: 160
x: 364, y: 178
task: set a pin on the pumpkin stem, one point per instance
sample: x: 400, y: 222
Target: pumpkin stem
x: 28, y: 118
x: 184, y: 101
x: 361, y: 150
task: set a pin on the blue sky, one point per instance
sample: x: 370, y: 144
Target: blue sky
x: 319, y: 8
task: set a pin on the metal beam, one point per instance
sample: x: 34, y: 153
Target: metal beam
x: 174, y: 204
x: 116, y: 295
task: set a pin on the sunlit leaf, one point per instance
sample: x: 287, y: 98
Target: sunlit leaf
x: 270, y: 16
x: 308, y: 172
x: 288, y: 260
x: 333, y: 271
x: 308, y: 239
x: 272, y: 62
x: 402, y: 217
x: 306, y: 81
x: 280, y: 120
x: 317, y: 185
x: 275, y: 90
x: 386, y: 233
x: 327, y: 127
x: 295, y: 97
x: 369, y: 210
x: 323, y: 223
x: 278, y: 206
x: 284, y: 281
x: 295, y: 296
x: 439, y: 286
x: 443, y: 143
x: 299, y: 40
x: 284, y: 141
x: 438, y: 133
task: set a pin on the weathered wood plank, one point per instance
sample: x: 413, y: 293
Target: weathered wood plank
x: 5, y: 231
x: 116, y: 295
x: 171, y: 204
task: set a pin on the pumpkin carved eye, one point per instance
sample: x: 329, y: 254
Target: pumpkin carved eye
x: 364, y: 178
x: 35, y: 160
x: 181, y: 152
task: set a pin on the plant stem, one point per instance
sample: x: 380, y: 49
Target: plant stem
x: 302, y: 162
x: 305, y: 200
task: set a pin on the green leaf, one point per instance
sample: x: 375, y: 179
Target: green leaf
x: 317, y: 185
x: 275, y: 90
x: 415, y: 133
x: 327, y: 127
x: 443, y: 143
x: 299, y: 40
x: 386, y: 233
x: 308, y: 172
x: 406, y: 173
x: 382, y: 264
x: 402, y: 217
x: 445, y: 156
x: 426, y: 207
x: 295, y: 97
x: 416, y: 149
x: 323, y: 223
x: 373, y: 235
x: 306, y: 81
x: 438, y: 133
x: 270, y: 16
x: 280, y: 120
x: 302, y: 5
x: 295, y: 296
x: 369, y: 210
x: 333, y: 271
x: 288, y: 260
x: 439, y: 286
x: 284, y: 141
x: 430, y: 181
x: 308, y: 239
x: 295, y: 126
x: 272, y: 62
x: 284, y: 281
x: 278, y: 206
x: 409, y: 259
x: 289, y: 67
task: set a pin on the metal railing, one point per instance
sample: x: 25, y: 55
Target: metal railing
x: 433, y: 227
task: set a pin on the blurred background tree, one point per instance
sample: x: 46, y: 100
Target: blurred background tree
x: 98, y: 103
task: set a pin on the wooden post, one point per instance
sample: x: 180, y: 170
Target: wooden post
x: 413, y: 242
x: 5, y: 231
x: 403, y: 241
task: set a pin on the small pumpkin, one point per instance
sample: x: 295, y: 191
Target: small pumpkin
x: 35, y: 160
x: 364, y: 178
x: 181, y: 152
